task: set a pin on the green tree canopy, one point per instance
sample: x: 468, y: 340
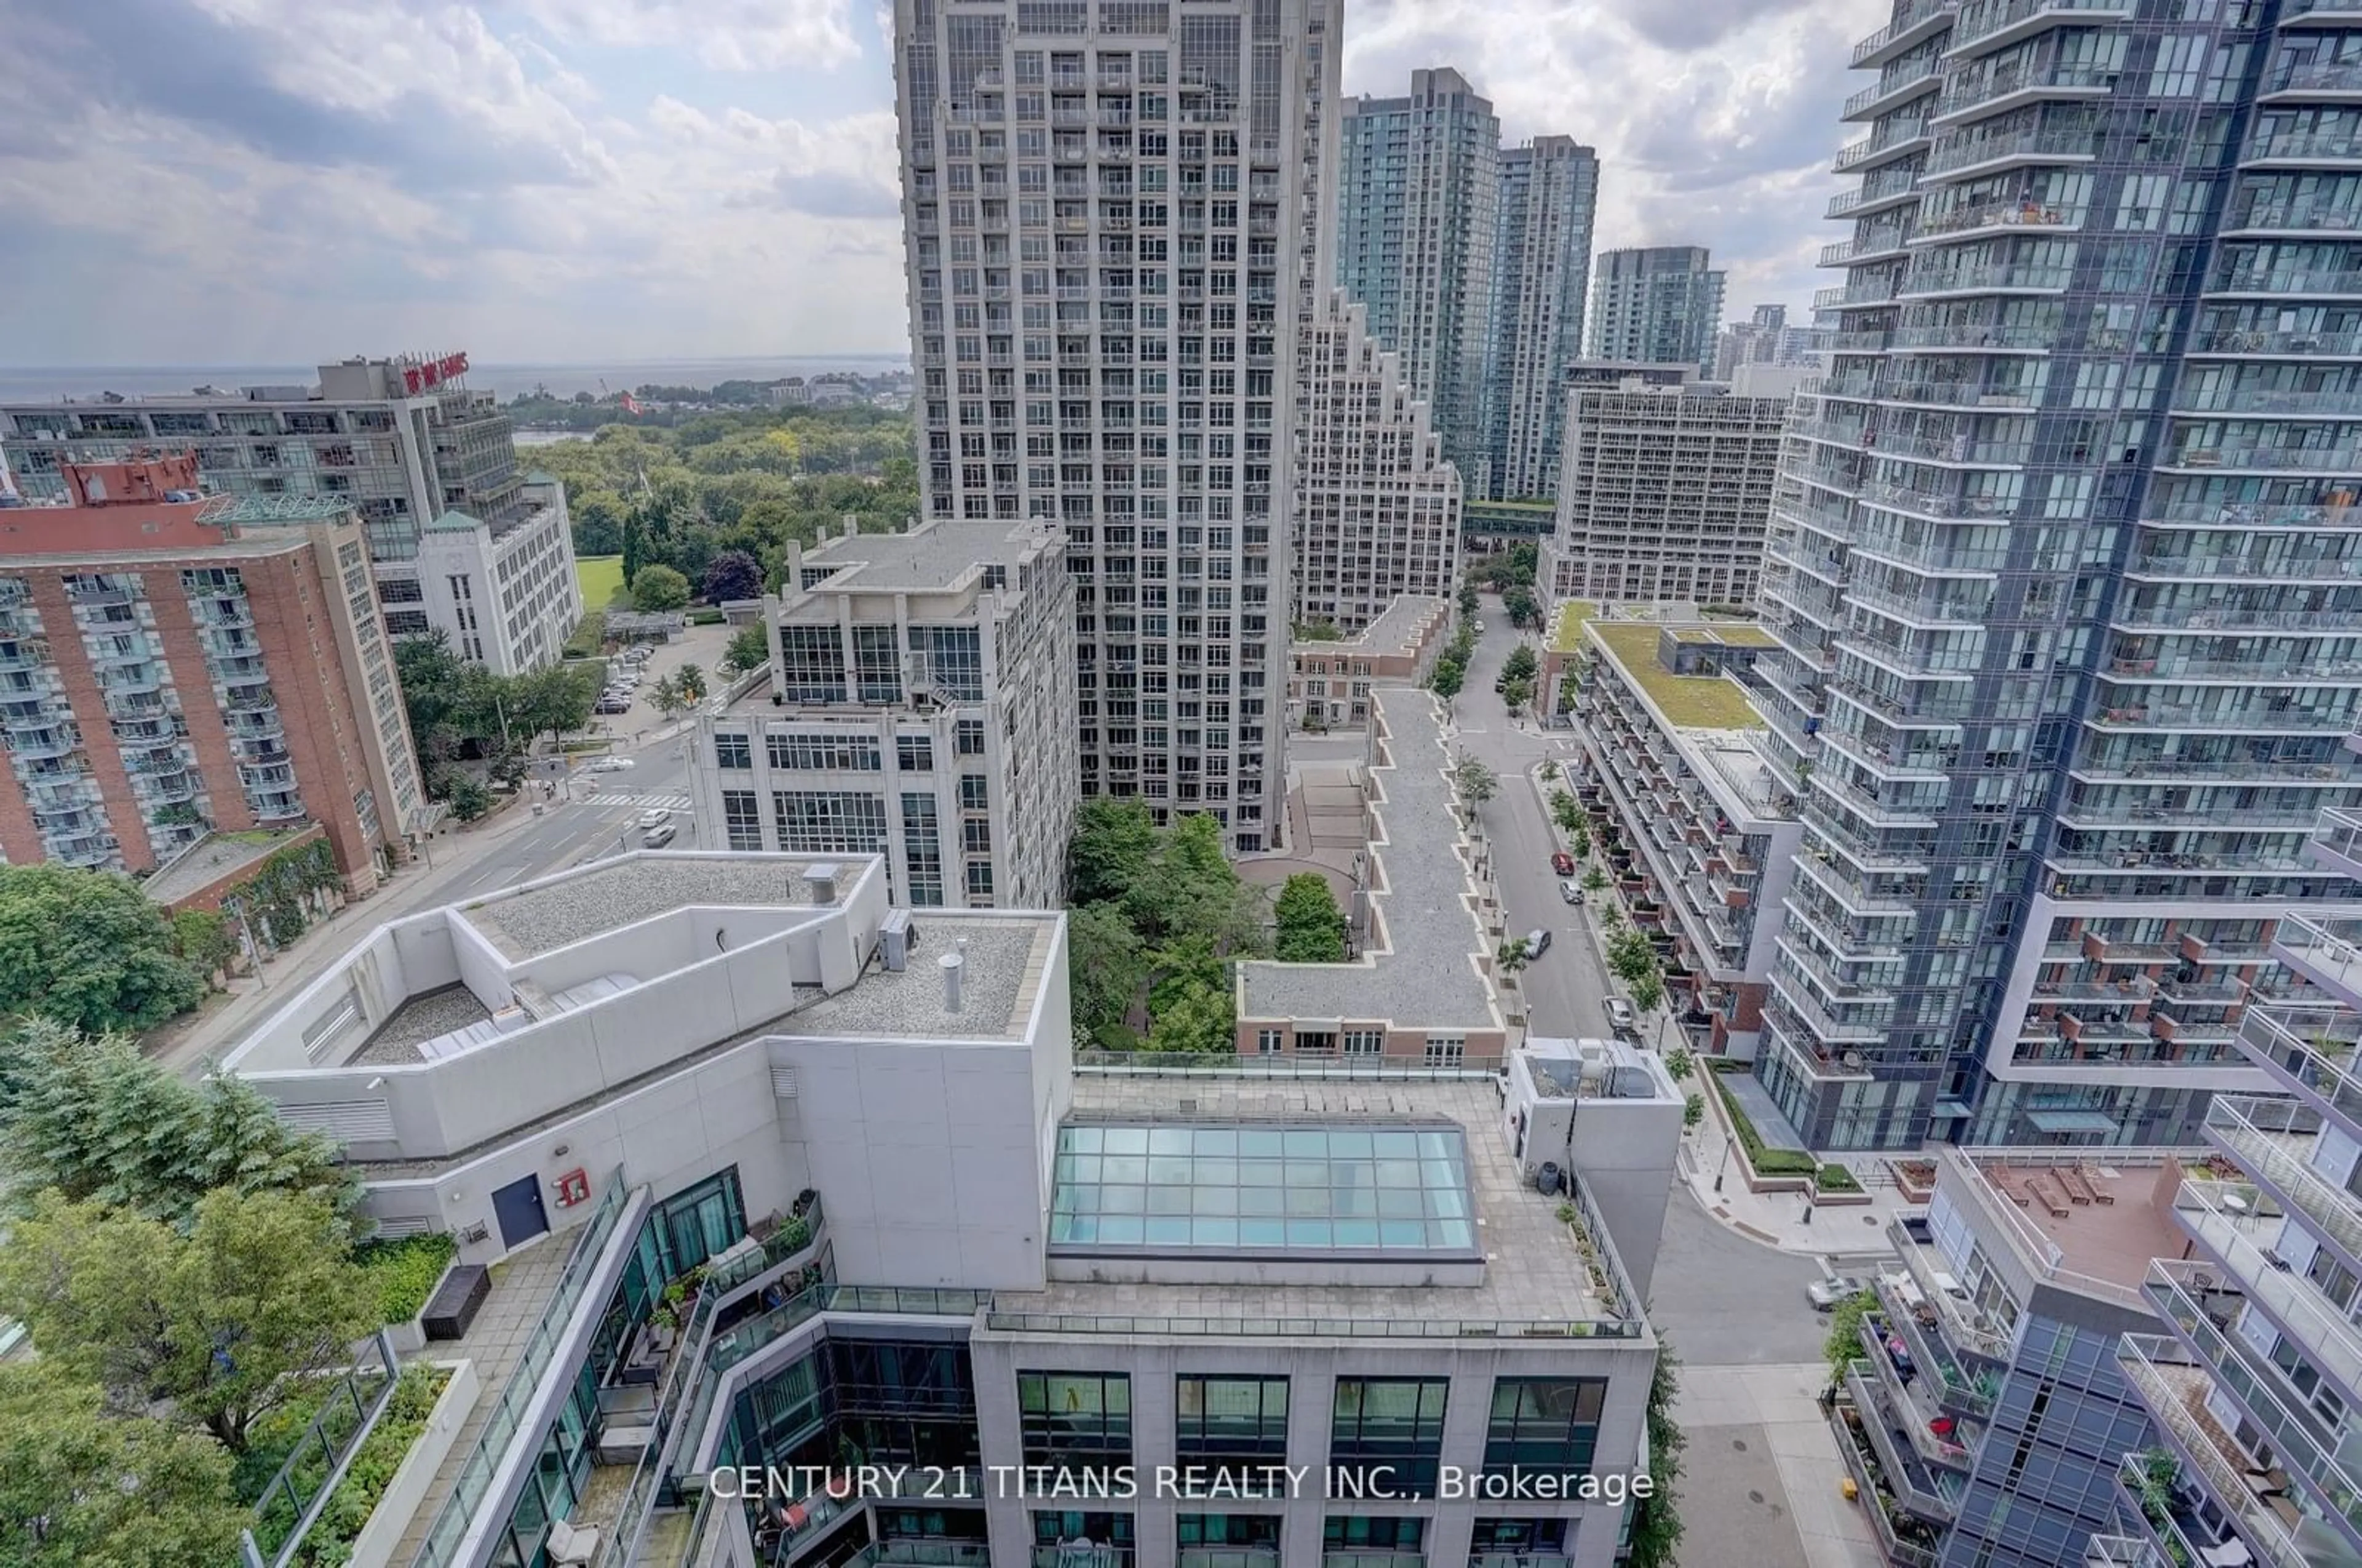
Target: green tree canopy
x: 80, y: 1485
x: 1565, y: 811
x: 222, y: 1321
x: 94, y: 1119
x: 1475, y: 782
x: 731, y: 574
x: 1311, y: 927
x: 1521, y: 664
x: 659, y: 588
x: 88, y: 947
x: 1107, y: 967
x: 1196, y: 1019
x: 750, y: 648
x: 691, y: 680
x: 1448, y: 676
x: 1112, y: 844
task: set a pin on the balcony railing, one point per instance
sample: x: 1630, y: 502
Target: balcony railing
x: 2233, y: 1220
x: 2256, y: 1133
x: 2036, y: 1251
x: 1981, y: 19
x: 2174, y: 1388
x: 2313, y: 1048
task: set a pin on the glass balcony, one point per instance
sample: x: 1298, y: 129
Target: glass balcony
x: 1520, y: 1560
x: 2174, y: 1388
x: 1083, y: 1555
x: 1994, y: 23
x: 1900, y: 1376
x: 1931, y: 1495
x: 2306, y: 1448
x: 2314, y: 1051
x: 1908, y: 1543
x: 1227, y: 1557
x: 2122, y: 1551
x: 2240, y: 1225
x: 1921, y: 1322
x: 2263, y: 1137
x: 2152, y: 1488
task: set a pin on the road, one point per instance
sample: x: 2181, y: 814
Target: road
x: 1567, y: 987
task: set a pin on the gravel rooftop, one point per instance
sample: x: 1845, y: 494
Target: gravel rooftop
x: 421, y: 1019
x: 1002, y: 972
x: 1428, y: 977
x: 523, y: 925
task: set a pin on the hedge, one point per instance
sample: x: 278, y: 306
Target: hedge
x: 1766, y: 1162
x: 1836, y: 1178
x: 404, y: 1272
x: 330, y: 1539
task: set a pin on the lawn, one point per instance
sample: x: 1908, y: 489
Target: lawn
x: 1692, y: 702
x: 601, y: 577
x: 1566, y: 637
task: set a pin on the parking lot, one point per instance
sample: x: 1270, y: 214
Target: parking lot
x: 701, y: 645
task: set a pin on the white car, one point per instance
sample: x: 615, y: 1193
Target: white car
x: 1826, y: 1295
x: 1620, y: 1015
x: 1571, y: 892
x: 655, y: 816
x: 613, y: 764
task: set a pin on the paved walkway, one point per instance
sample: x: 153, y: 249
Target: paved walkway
x: 1783, y: 1220
x: 495, y: 1341
x: 1760, y: 1479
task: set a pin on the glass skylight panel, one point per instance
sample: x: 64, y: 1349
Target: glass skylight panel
x: 1262, y: 1187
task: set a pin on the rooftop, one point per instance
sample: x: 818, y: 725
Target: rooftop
x: 1566, y: 631
x: 1003, y: 959
x: 214, y: 857
x: 936, y: 554
x: 1534, y: 1273
x: 606, y: 896
x: 1398, y: 629
x: 1690, y: 702
x: 230, y: 511
x: 2101, y: 1217
x: 1426, y: 974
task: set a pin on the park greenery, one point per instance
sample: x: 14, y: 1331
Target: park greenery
x: 1311, y: 928
x: 461, y: 711
x: 1451, y: 670
x: 1656, y: 1519
x: 657, y: 588
x: 91, y: 948
x: 684, y: 492
x: 750, y: 649
x: 1842, y: 1344
x: 1158, y: 917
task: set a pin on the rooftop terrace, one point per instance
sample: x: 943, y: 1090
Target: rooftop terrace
x: 1535, y: 1271
x: 936, y: 555
x: 1396, y: 630
x: 1690, y: 702
x: 1425, y: 976
x: 2096, y: 1217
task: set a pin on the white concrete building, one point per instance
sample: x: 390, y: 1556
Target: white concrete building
x: 1110, y: 237
x: 1377, y: 507
x: 921, y: 705
x: 1665, y: 489
x: 402, y: 440
x: 507, y: 593
x: 981, y: 1257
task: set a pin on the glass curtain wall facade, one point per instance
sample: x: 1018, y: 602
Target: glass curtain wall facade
x: 1102, y: 218
x: 2066, y: 571
x: 1542, y: 254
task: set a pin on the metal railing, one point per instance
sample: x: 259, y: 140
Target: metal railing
x: 2143, y: 1359
x: 458, y: 1510
x: 1184, y: 1064
x: 297, y: 1494
x: 2250, y: 1129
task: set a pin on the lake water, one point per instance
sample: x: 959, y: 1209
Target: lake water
x: 32, y: 383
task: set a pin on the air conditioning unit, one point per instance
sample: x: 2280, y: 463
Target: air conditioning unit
x: 896, y: 937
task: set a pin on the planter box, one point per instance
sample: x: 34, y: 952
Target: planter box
x: 410, y: 1338
x: 1838, y: 1199
x: 390, y: 1520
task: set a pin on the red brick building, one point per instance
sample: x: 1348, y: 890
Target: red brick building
x: 173, y: 663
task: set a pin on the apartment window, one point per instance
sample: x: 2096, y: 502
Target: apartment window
x: 1232, y: 1423
x: 811, y: 750
x: 742, y: 818
x: 1084, y: 1535
x: 1077, y: 1419
x: 876, y: 665
x: 1366, y: 1042
x: 1543, y: 1424
x: 1267, y: 1041
x: 1253, y: 1532
x: 975, y: 836
x: 923, y: 849
x: 733, y: 751
x: 1383, y: 1424
x: 1446, y: 1050
x: 814, y: 822
x: 967, y: 737
x: 811, y: 664
x: 914, y: 753
x: 952, y: 658
x: 979, y: 881
x: 975, y: 795
x: 1373, y: 1532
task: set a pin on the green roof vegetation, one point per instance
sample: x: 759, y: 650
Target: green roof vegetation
x: 1566, y: 637
x: 1732, y: 636
x: 1692, y: 701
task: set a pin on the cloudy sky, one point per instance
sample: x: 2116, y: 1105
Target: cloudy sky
x: 259, y: 182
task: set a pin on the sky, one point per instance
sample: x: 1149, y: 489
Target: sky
x: 287, y: 182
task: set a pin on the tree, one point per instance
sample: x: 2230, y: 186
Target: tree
x: 1189, y: 888
x: 88, y: 947
x: 1594, y: 880
x: 1446, y: 679
x: 1469, y: 603
x: 79, y: 1485
x: 659, y: 588
x: 95, y: 1119
x: 1474, y: 783
x: 1112, y: 844
x: 466, y: 797
x: 1105, y: 967
x: 1679, y: 1063
x: 691, y: 680
x: 1195, y: 1019
x: 1631, y: 959
x: 1311, y: 927
x: 1693, y: 1109
x: 1521, y: 664
x: 205, y: 942
x: 750, y: 649
x: 555, y: 700
x: 1843, y: 1341
x: 668, y: 697
x: 1524, y: 609
x: 733, y: 574
x: 224, y: 1321
x: 1514, y: 956
x: 1565, y: 811
x: 1656, y: 1521
x: 1516, y: 694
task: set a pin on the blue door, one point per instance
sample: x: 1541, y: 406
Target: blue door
x: 518, y: 1208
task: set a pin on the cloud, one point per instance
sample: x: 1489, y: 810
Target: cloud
x: 827, y: 193
x: 729, y: 35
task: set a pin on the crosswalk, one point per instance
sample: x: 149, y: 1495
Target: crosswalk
x: 676, y: 803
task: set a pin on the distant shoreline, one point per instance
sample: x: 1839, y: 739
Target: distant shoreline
x: 35, y: 383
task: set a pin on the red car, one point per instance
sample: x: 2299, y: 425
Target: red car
x: 1562, y: 863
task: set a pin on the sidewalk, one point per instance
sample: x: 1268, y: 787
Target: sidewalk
x: 181, y: 1047
x: 1782, y: 1220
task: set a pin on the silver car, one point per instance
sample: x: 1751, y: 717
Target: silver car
x: 1620, y: 1015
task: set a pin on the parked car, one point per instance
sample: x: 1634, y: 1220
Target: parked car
x: 1827, y: 1294
x: 612, y: 705
x: 1571, y: 892
x: 611, y: 765
x: 655, y: 816
x: 1537, y: 944
x: 658, y: 836
x: 1562, y: 863
x: 1620, y: 1015
x: 1480, y: 625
